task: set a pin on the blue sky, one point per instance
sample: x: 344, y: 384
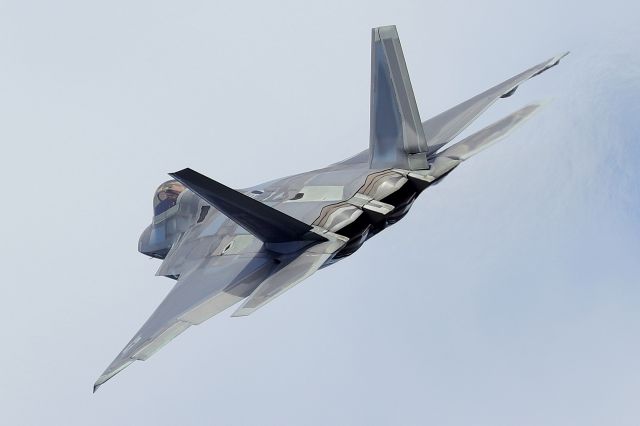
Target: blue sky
x: 508, y: 295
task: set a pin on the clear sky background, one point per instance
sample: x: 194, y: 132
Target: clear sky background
x: 508, y: 296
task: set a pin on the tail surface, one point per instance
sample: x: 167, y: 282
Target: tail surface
x: 396, y: 135
x: 444, y: 127
x: 264, y: 222
x: 398, y: 139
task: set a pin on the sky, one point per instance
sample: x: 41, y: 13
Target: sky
x: 508, y: 295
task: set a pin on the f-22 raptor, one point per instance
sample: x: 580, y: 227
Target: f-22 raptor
x: 223, y: 246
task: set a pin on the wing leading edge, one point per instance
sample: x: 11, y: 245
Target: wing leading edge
x: 444, y: 127
x: 216, y: 284
x: 397, y: 138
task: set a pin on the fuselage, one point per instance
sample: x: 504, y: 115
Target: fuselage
x: 226, y: 246
x: 347, y: 198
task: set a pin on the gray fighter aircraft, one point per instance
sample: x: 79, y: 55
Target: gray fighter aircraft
x: 224, y: 246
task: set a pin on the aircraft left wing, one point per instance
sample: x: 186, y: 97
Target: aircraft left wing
x: 214, y: 285
x: 217, y: 283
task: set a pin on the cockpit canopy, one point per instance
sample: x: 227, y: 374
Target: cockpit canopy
x: 166, y: 196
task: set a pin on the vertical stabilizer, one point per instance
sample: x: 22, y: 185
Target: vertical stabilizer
x: 397, y: 137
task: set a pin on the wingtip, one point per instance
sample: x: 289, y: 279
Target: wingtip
x: 556, y: 59
x: 550, y: 63
x: 101, y: 381
x: 116, y: 366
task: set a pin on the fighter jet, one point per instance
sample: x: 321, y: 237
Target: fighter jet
x: 224, y: 246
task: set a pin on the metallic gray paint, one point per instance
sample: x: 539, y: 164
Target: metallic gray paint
x: 217, y: 263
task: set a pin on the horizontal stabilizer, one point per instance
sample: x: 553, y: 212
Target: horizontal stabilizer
x: 442, y: 128
x: 480, y: 140
x: 264, y: 222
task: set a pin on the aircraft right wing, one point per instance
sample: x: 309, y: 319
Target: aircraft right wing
x: 445, y: 126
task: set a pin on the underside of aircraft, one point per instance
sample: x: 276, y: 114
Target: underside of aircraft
x: 224, y: 246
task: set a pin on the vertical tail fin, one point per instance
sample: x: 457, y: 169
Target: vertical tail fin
x: 397, y: 137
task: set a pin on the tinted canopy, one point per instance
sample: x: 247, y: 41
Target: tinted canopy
x: 166, y: 196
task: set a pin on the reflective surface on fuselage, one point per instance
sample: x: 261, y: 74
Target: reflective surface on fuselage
x: 346, y: 198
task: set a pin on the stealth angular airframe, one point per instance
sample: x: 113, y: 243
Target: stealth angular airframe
x: 223, y: 246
